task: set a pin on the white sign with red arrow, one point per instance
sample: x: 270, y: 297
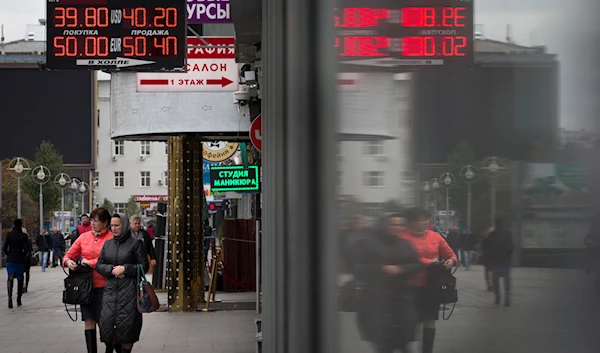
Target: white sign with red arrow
x: 210, y: 68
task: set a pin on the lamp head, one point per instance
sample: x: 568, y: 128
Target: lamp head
x: 40, y: 174
x: 62, y: 181
x: 19, y: 168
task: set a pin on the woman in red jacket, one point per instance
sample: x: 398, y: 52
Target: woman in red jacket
x: 88, y: 245
x: 431, y: 248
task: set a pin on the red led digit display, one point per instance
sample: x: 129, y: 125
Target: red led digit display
x: 433, y: 17
x: 436, y: 29
x: 139, y: 35
x: 429, y: 46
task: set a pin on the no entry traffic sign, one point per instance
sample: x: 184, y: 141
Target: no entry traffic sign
x: 256, y: 132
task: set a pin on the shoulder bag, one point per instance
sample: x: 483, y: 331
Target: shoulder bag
x: 147, y: 301
x: 441, y: 285
x: 78, y: 288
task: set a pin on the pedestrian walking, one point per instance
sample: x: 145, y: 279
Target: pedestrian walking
x: 486, y: 259
x: 143, y: 236
x: 453, y: 239
x: 58, y: 246
x: 15, y: 248
x: 88, y: 246
x: 385, y: 264
x: 501, y: 248
x: 43, y: 243
x: 431, y: 249
x: 467, y: 244
x: 28, y: 262
x: 120, y: 320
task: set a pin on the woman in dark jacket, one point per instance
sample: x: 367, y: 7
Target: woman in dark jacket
x: 385, y: 264
x: 120, y: 321
x: 16, y: 248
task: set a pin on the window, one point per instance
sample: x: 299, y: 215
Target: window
x: 96, y: 178
x: 145, y: 179
x: 119, y: 179
x: 119, y: 148
x: 166, y: 149
x: 98, y: 117
x: 97, y: 147
x: 145, y: 148
x: 166, y: 178
x: 120, y: 207
x: 373, y: 148
x: 373, y: 179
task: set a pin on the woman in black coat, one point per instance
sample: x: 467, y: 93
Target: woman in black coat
x: 388, y: 318
x: 120, y: 321
x: 16, y: 248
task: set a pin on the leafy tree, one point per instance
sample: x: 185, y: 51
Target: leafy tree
x: 47, y: 156
x: 132, y: 208
x: 109, y: 206
x: 29, y: 208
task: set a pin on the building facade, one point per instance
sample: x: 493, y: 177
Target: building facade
x: 126, y: 168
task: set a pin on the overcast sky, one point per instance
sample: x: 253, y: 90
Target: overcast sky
x: 567, y: 28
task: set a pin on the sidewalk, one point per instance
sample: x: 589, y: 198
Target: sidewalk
x: 552, y: 311
x: 42, y: 325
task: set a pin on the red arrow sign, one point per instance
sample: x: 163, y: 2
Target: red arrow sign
x: 223, y: 82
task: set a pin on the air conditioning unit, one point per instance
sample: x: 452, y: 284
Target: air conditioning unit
x: 114, y: 158
x: 142, y: 158
x: 160, y: 182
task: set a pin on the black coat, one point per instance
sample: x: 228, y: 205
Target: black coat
x: 120, y: 318
x: 16, y: 246
x: 388, y: 317
x: 148, y: 243
x: 500, y: 246
x: 43, y: 242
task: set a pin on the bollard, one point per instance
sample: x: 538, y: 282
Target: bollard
x: 212, y: 288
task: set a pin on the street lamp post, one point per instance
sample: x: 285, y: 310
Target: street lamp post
x: 74, y: 189
x: 63, y: 182
x: 467, y: 175
x: 448, y: 182
x: 41, y: 175
x: 16, y: 167
x: 435, y: 186
x: 426, y: 190
x: 492, y: 165
x: 84, y: 188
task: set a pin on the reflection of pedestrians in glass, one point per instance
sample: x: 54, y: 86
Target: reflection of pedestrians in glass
x: 501, y: 248
x: 15, y: 247
x: 467, y: 244
x: 486, y: 259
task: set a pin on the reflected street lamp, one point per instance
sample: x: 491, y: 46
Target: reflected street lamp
x: 84, y: 189
x: 448, y: 182
x: 18, y: 168
x: 426, y: 188
x: 468, y: 174
x: 493, y: 166
x: 62, y: 181
x: 74, y: 189
x: 435, y: 187
x: 41, y: 175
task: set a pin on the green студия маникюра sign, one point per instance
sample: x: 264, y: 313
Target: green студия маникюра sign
x: 234, y: 178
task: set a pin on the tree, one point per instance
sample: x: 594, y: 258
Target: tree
x: 29, y: 208
x: 47, y: 156
x: 109, y: 206
x: 132, y: 208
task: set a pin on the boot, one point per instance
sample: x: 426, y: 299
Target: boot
x: 497, y: 291
x: 125, y: 350
x: 90, y: 341
x: 19, y: 292
x: 9, y: 285
x: 118, y: 348
x: 428, y: 339
x: 507, y: 291
x: 109, y: 348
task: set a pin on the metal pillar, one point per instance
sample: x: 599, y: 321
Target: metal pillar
x: 41, y: 207
x: 447, y: 210
x: 62, y: 211
x: 299, y: 144
x: 185, y: 265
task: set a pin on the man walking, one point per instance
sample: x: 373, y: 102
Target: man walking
x: 135, y: 222
x: 467, y: 244
x: 500, y: 245
x: 58, y: 246
x: 43, y: 243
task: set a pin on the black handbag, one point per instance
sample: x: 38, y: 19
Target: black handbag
x: 78, y: 288
x: 441, y: 285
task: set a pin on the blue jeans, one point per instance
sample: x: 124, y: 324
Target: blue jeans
x: 44, y: 259
x: 466, y: 257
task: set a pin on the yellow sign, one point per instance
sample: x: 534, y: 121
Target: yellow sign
x: 218, y: 151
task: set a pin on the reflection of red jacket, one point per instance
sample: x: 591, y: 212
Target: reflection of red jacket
x: 88, y: 246
x: 428, y: 246
x: 82, y: 228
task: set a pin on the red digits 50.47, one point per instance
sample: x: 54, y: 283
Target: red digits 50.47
x: 363, y: 46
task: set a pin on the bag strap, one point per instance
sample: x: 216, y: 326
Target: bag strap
x: 140, y: 270
x: 67, y: 309
x: 444, y: 312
